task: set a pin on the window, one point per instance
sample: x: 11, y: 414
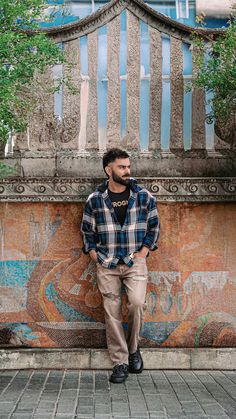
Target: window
x: 182, y: 9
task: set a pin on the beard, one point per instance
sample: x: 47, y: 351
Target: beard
x: 121, y: 180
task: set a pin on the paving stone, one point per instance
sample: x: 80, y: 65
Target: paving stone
x: 65, y: 408
x: 154, y: 403
x: 220, y: 417
x: 197, y: 416
x: 42, y: 416
x: 214, y: 409
x: 26, y: 409
x: 46, y: 404
x: 137, y: 416
x: 192, y: 407
x: 86, y: 410
x: 88, y: 394
x: 121, y: 417
x: 103, y: 409
x: 231, y: 375
x: 69, y: 385
x: 119, y: 398
x: 61, y: 416
x: 102, y: 399
x: 85, y: 401
x: 6, y: 405
x: 42, y: 412
x: 120, y: 407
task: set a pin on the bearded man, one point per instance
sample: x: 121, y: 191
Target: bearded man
x: 120, y: 226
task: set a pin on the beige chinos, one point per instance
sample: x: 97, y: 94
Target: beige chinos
x: 109, y: 283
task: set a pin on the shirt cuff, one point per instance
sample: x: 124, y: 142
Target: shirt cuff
x: 150, y: 246
x: 86, y: 249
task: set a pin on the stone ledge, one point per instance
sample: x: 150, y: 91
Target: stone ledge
x: 154, y: 358
x: 76, y: 165
x: 69, y: 189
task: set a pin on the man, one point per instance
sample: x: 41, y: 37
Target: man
x: 120, y: 226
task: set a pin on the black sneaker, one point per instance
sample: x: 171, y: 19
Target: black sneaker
x: 120, y: 373
x: 135, y: 362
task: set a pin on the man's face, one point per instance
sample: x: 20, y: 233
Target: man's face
x: 119, y: 171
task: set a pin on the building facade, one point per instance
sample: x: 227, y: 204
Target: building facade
x: 131, y: 67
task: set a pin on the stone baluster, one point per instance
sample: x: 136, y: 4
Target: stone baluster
x: 42, y: 123
x: 113, y: 75
x: 198, y: 114
x: 155, y: 89
x: 177, y: 94
x: 132, y: 139
x: 92, y: 115
x: 71, y: 102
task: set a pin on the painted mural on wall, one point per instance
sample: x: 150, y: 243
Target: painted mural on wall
x: 48, y: 292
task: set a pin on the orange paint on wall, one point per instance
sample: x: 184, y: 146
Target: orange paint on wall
x: 192, y: 276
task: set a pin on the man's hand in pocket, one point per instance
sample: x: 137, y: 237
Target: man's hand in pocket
x: 142, y: 253
x: 93, y: 255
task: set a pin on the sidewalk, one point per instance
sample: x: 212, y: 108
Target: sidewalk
x: 68, y: 394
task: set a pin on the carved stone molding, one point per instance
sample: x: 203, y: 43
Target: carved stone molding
x: 181, y: 189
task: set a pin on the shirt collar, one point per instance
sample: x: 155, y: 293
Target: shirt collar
x: 104, y: 185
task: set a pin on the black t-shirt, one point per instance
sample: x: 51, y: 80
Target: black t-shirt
x: 120, y: 203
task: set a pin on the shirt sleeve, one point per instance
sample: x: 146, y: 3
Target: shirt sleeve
x: 153, y: 226
x: 88, y: 228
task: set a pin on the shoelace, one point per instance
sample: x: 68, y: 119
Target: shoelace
x: 119, y: 368
x: 134, y: 358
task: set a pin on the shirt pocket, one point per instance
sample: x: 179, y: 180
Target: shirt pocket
x: 142, y: 214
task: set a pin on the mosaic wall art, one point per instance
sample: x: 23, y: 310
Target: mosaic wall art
x: 48, y: 291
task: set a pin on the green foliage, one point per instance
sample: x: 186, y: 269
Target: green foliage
x: 24, y: 52
x: 215, y: 61
x: 6, y: 170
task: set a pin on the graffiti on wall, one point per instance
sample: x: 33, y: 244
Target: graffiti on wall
x: 48, y: 291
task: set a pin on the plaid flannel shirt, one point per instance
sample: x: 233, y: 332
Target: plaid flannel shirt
x: 103, y: 233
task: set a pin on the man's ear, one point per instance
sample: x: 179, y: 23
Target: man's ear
x: 106, y: 171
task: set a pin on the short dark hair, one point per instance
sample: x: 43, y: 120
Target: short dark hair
x: 113, y: 154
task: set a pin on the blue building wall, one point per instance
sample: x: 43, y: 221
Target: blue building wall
x: 65, y: 11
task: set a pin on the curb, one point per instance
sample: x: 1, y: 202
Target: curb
x: 154, y: 358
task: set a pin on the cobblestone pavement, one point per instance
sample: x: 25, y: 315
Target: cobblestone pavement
x: 68, y: 394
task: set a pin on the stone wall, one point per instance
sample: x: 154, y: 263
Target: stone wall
x: 48, y: 292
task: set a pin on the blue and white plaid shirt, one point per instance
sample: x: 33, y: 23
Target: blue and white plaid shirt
x: 103, y: 233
